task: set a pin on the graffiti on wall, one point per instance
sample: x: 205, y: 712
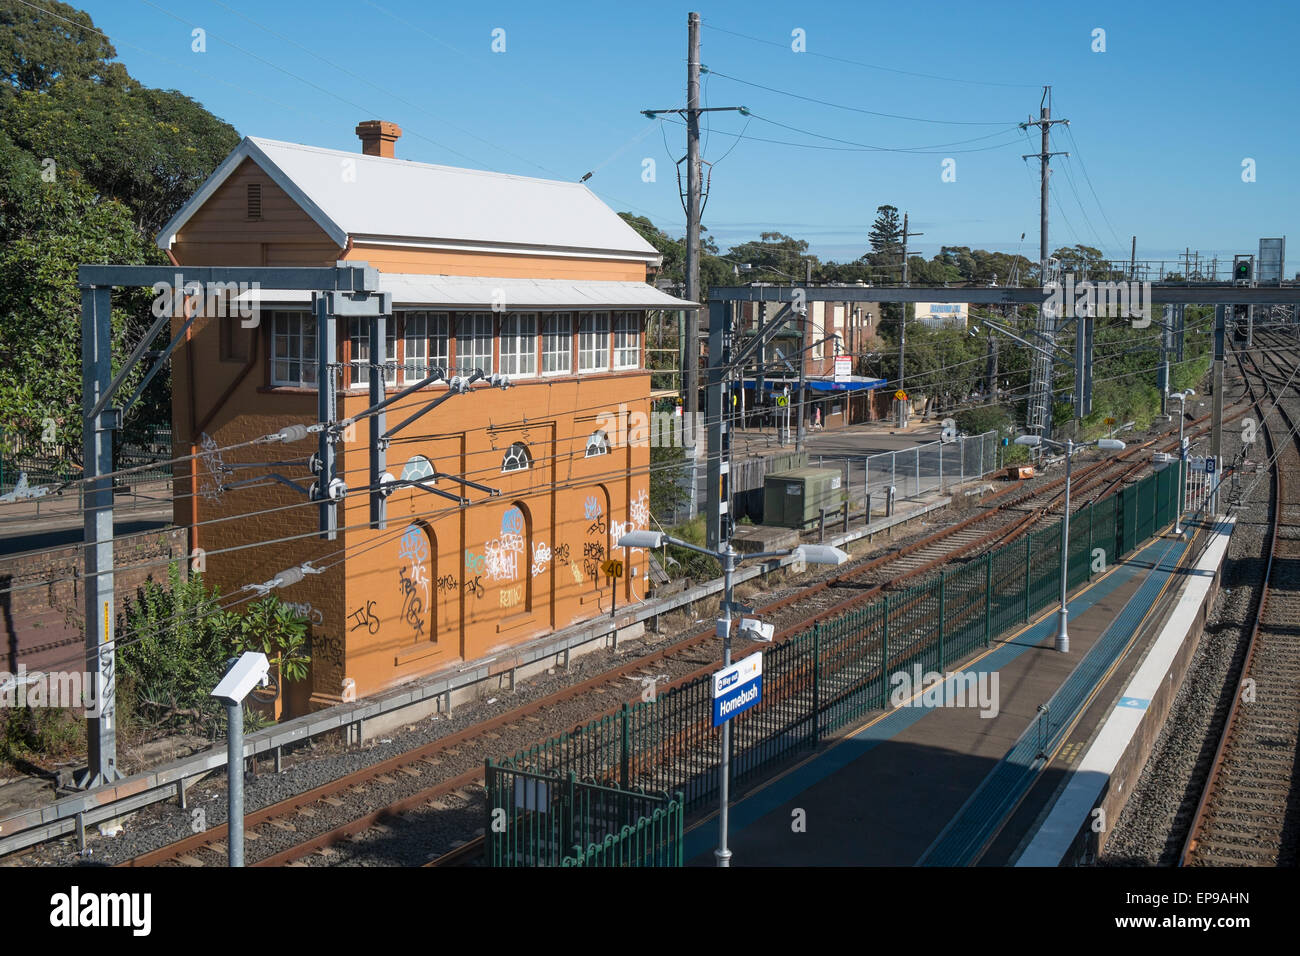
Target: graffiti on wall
x: 413, y: 577
x: 312, y: 615
x: 364, y: 617
x: 541, y: 557
x: 501, y: 556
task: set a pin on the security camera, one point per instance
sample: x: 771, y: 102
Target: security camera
x: 249, y: 671
x: 756, y: 630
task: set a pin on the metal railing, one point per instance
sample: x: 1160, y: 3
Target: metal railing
x: 912, y: 472
x: 817, y: 682
x: 541, y: 818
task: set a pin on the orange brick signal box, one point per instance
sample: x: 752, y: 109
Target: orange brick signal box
x: 533, y: 279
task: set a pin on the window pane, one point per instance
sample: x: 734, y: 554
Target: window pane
x: 474, y: 344
x: 557, y: 344
x: 519, y: 345
x: 593, y: 342
x: 438, y: 339
x: 627, y: 340
x: 359, y: 333
x: 293, y: 349
x: 415, y: 346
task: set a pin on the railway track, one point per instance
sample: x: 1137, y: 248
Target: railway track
x: 1247, y: 813
x: 423, y: 778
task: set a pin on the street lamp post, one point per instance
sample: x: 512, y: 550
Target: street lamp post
x: 810, y: 554
x: 243, y: 674
x: 1069, y: 446
x: 1182, y: 398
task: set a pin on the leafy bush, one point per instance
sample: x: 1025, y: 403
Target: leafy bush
x: 172, y: 651
x: 279, y: 632
x: 175, y: 644
x: 691, y: 563
x: 27, y: 732
x: 989, y: 418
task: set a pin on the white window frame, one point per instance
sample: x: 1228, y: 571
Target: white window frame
x: 291, y: 334
x: 549, y: 337
x: 627, y: 340
x: 359, y: 365
x: 516, y: 452
x: 431, y: 348
x: 481, y: 331
x: 519, y: 345
x: 593, y: 328
x: 597, y: 444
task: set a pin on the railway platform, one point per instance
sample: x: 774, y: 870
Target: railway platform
x: 967, y: 771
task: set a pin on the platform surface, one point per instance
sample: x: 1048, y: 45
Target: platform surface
x: 883, y: 792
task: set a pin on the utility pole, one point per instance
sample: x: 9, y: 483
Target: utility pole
x: 1045, y: 123
x: 1166, y: 346
x: 1133, y: 260
x: 902, y: 325
x: 1039, y: 410
x: 992, y: 367
x: 692, y: 202
x: 691, y: 374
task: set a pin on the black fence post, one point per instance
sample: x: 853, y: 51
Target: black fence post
x: 817, y: 684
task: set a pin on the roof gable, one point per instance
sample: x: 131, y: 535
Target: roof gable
x: 373, y: 198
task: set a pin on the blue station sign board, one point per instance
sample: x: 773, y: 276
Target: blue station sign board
x: 737, y: 688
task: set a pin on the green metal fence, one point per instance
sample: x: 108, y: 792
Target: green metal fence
x: 653, y: 841
x: 813, y: 684
x: 552, y: 819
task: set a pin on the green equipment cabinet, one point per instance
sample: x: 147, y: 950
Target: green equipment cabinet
x: 794, y: 499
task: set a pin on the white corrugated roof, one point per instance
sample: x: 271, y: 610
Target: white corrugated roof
x: 511, y: 295
x: 376, y: 198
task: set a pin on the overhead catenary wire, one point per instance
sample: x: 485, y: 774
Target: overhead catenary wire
x: 485, y: 472
x: 854, y: 109
x: 1088, y: 179
x: 368, y: 545
x: 871, y: 66
x: 853, y: 147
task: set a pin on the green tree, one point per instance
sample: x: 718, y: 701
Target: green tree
x: 47, y: 229
x: 774, y: 252
x: 886, y: 235
x: 43, y: 41
x: 150, y: 149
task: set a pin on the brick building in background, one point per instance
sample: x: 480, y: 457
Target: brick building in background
x: 534, y: 279
x: 828, y: 330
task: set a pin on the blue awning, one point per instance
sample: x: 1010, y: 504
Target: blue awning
x: 855, y: 384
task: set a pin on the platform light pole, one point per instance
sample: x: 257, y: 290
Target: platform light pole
x: 1181, y: 398
x: 809, y: 554
x: 1070, y: 447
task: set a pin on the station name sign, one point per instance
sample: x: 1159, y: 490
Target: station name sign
x: 737, y: 688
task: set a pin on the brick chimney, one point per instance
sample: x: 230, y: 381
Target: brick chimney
x: 377, y: 137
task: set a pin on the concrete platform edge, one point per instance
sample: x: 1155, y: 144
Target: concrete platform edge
x: 1105, y: 774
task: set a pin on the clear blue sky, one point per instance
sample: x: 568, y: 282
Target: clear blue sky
x: 1161, y: 121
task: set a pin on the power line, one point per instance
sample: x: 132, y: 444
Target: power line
x: 368, y: 545
x: 1083, y: 166
x: 852, y: 109
x: 874, y: 66
x: 858, y: 148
